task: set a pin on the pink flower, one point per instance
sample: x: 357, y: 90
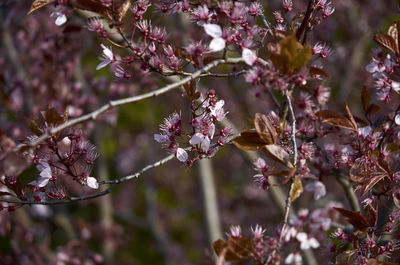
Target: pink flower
x: 258, y: 231
x: 317, y: 187
x: 236, y: 231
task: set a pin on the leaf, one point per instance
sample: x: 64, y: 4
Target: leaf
x: 372, y: 215
x: 91, y: 5
x: 236, y: 249
x: 242, y: 247
x: 37, y: 4
x: 221, y: 257
x: 350, y: 117
x: 393, y: 32
x: 123, y: 9
x: 249, y: 141
x: 52, y: 116
x: 335, y: 119
x: 356, y: 219
x: 373, y: 109
x: 370, y: 183
x: 301, y: 59
x: 317, y: 71
x: 365, y: 98
x: 218, y: 246
x: 265, y: 129
x: 291, y: 55
x: 190, y: 90
x: 297, y: 189
x: 278, y: 154
x: 344, y: 257
x: 386, y: 42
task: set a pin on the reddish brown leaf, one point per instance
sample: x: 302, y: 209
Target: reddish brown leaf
x: 209, y: 59
x: 37, y: 4
x: 335, y: 119
x: 372, y: 215
x: 317, y: 71
x: 265, y: 129
x: 249, y: 141
x: 393, y: 32
x: 370, y: 183
x: 386, y: 42
x: 356, y: 219
x: 218, y: 246
x: 365, y: 98
x: 91, y: 5
x: 373, y: 109
x: 350, y: 117
x: 221, y: 257
x: 278, y: 154
x: 242, y: 247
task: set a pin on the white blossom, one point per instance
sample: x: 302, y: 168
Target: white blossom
x: 306, y: 242
x: 181, y: 154
x: 249, y: 56
x: 59, y: 18
x: 92, y: 183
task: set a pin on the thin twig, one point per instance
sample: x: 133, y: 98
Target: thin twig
x: 98, y: 194
x: 293, y: 136
x: 114, y: 103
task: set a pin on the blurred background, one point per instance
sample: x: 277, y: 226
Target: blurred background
x: 171, y: 214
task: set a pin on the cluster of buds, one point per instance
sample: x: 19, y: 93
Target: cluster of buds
x: 71, y: 156
x: 201, y: 138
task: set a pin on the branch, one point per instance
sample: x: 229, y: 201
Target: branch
x: 114, y: 103
x: 98, y: 194
x: 293, y: 136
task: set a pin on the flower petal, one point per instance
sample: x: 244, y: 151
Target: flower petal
x: 92, y: 183
x: 249, y: 56
x: 181, y: 154
x: 217, y: 44
x: 213, y: 30
x: 196, y: 139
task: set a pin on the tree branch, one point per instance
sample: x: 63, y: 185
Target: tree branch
x: 114, y: 103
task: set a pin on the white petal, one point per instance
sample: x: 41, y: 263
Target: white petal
x: 66, y: 141
x: 397, y: 119
x: 61, y: 19
x: 372, y: 67
x: 161, y: 138
x: 313, y: 243
x: 41, y: 182
x: 196, y: 139
x: 396, y: 86
x: 107, y: 52
x: 206, y: 144
x: 92, y: 183
x: 213, y: 30
x: 249, y: 56
x: 301, y: 236
x: 217, y: 44
x: 181, y: 154
x: 289, y: 259
x: 46, y: 173
x: 211, y: 130
x: 103, y: 64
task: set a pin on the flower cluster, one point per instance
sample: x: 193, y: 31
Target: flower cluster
x: 202, y: 137
x: 69, y: 157
x: 384, y: 71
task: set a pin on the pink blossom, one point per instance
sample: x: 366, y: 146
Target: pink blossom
x: 317, y: 187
